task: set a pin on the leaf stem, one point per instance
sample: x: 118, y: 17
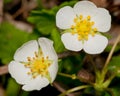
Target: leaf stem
x: 74, y: 89
x: 73, y: 76
x: 110, y: 55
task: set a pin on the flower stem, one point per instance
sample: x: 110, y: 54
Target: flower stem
x: 110, y: 55
x: 74, y: 89
x: 101, y: 83
x: 73, y: 76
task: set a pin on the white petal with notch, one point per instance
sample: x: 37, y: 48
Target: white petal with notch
x: 28, y: 49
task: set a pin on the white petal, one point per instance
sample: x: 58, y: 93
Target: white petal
x: 47, y: 48
x: 71, y: 42
x: 18, y: 72
x: 65, y: 17
x: 102, y: 19
x: 36, y: 84
x: 96, y: 44
x: 84, y: 8
x: 26, y: 50
x: 53, y: 69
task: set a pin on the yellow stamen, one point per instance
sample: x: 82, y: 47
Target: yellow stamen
x: 47, y: 57
x: 81, y: 17
x: 38, y: 65
x: 88, y: 17
x: 36, y: 54
x: 28, y: 58
x: 83, y: 27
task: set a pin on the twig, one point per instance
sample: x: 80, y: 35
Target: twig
x: 18, y: 24
x: 105, y: 69
x: 100, y: 3
x: 62, y: 89
x: 1, y: 10
x: 25, y: 7
x: 111, y: 52
x: 66, y: 54
x: 74, y: 89
x: 2, y: 91
x: 58, y: 86
x: 3, y: 69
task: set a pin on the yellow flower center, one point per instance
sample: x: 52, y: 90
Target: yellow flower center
x: 83, y: 27
x: 38, y: 65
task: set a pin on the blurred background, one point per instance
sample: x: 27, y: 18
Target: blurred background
x: 24, y: 20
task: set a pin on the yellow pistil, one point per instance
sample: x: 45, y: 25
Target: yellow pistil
x: 83, y: 27
x: 38, y: 65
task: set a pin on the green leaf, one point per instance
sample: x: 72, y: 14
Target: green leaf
x: 106, y: 94
x: 66, y: 3
x: 11, y: 38
x: 24, y: 93
x: 68, y: 66
x: 7, y: 1
x: 115, y: 86
x: 114, y: 65
x: 43, y: 20
x: 55, y: 35
x: 109, y: 47
x: 12, y: 88
x: 116, y: 91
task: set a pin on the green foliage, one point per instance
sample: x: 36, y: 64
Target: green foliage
x: 56, y: 8
x: 70, y: 65
x: 55, y: 36
x: 44, y: 21
x: 24, y: 93
x: 114, y: 65
x: 107, y: 94
x: 7, y: 1
x: 67, y: 3
x: 11, y: 38
x: 67, y: 66
x: 12, y: 88
x: 45, y: 24
x: 109, y: 47
x: 116, y: 91
x: 116, y: 86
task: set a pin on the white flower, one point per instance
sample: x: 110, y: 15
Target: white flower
x: 35, y: 64
x: 83, y: 24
